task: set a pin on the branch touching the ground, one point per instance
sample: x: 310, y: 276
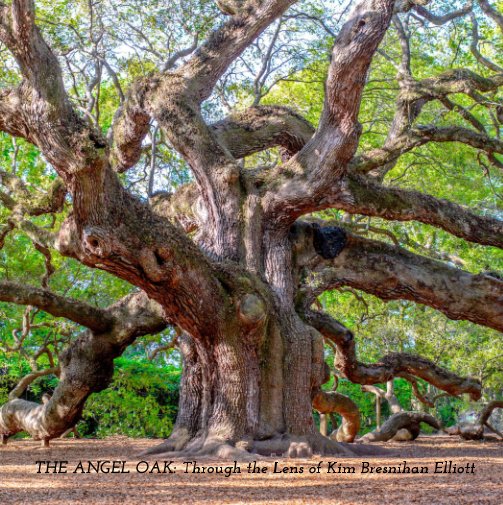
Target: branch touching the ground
x: 86, y: 366
x: 333, y: 402
x: 389, y: 366
x: 475, y: 431
x: 404, y: 420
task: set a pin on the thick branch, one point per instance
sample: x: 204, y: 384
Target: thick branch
x: 59, y: 306
x: 420, y: 136
x: 131, y: 125
x: 333, y: 402
x: 403, y: 420
x: 393, y: 273
x: 413, y: 96
x: 11, y: 121
x: 305, y: 180
x: 86, y: 367
x: 37, y: 62
x: 224, y: 45
x: 372, y: 199
x: 45, y: 115
x: 263, y: 127
x: 389, y: 366
x: 388, y: 395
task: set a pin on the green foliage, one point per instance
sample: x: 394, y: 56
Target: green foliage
x: 141, y: 402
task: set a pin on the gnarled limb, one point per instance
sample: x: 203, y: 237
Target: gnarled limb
x: 332, y: 402
x: 388, y: 395
x: 422, y: 135
x: 11, y: 121
x: 393, y: 273
x: 44, y: 110
x: 442, y: 19
x: 389, y: 366
x: 372, y: 199
x: 403, y: 420
x: 212, y: 59
x: 85, y: 367
x: 263, y: 127
x: 476, y: 431
x: 130, y: 127
x: 324, y: 159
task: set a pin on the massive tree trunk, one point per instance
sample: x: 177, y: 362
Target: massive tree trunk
x: 242, y: 394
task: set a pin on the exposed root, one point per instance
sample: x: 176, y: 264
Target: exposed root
x: 175, y: 443
x: 285, y: 446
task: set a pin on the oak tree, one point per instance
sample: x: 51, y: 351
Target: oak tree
x: 237, y: 257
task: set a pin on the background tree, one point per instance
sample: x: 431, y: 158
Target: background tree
x: 274, y: 212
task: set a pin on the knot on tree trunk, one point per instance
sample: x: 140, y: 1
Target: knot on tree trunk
x: 96, y: 242
x: 252, y: 310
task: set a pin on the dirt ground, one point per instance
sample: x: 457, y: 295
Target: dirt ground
x: 21, y: 484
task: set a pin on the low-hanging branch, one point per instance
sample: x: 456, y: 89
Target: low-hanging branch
x: 389, y: 366
x: 410, y: 421
x: 86, y: 366
x: 232, y: 286
x: 475, y: 431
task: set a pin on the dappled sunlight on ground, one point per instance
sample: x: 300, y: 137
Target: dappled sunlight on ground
x: 20, y: 483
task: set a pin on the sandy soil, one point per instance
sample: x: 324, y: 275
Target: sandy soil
x: 21, y: 484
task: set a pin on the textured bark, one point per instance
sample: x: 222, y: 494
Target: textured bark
x: 333, y: 402
x: 392, y: 273
x: 476, y: 431
x: 389, y: 366
x: 85, y: 367
x: 403, y: 420
x: 373, y: 199
x: 240, y: 286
